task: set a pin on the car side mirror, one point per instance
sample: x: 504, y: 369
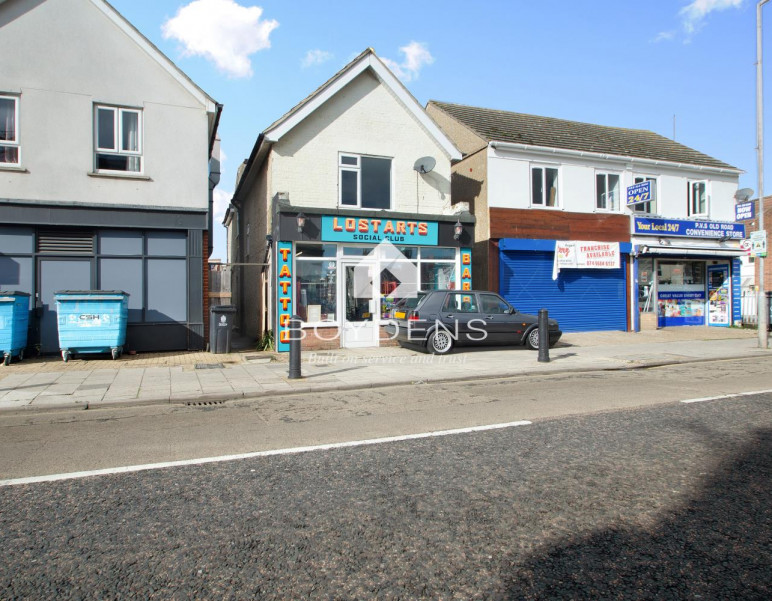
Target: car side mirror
x: 512, y: 311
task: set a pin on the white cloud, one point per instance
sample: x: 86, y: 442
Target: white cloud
x: 223, y: 32
x: 664, y: 36
x: 417, y: 56
x: 694, y: 13
x: 315, y: 57
x: 222, y: 199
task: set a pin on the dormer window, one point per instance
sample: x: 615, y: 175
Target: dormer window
x: 117, y: 139
x: 365, y: 181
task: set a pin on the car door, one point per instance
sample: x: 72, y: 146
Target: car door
x: 498, y: 315
x: 461, y: 317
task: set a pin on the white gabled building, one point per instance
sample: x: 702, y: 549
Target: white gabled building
x: 359, y: 161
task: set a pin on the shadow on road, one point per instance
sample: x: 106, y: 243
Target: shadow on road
x: 715, y: 546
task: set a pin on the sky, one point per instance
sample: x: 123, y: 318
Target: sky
x: 681, y: 68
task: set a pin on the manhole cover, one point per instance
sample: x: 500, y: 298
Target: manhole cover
x: 209, y: 366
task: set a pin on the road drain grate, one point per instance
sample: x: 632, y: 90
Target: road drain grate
x: 203, y: 403
x: 209, y: 366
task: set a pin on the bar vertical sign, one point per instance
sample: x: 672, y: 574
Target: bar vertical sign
x: 466, y: 269
x: 284, y: 294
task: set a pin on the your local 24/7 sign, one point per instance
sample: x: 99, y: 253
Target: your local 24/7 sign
x: 640, y: 192
x: 656, y: 226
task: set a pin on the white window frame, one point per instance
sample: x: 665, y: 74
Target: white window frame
x: 15, y: 142
x: 652, y: 204
x: 618, y: 200
x: 542, y: 168
x: 690, y: 198
x: 118, y: 112
x: 357, y: 168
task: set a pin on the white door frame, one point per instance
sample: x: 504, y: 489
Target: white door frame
x: 359, y: 334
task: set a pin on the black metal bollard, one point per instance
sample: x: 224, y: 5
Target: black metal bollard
x: 295, y: 336
x: 544, y: 336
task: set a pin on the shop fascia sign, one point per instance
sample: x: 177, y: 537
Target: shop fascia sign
x: 585, y: 255
x: 337, y: 228
x: 654, y: 226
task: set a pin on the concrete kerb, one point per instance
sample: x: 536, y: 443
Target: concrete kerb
x: 286, y: 387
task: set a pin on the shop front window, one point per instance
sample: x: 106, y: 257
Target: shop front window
x: 680, y: 293
x: 438, y: 276
x: 316, y: 280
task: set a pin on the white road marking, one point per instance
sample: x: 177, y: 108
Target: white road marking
x: 185, y: 462
x: 726, y: 396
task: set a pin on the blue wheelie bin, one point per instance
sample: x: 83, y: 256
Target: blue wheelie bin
x: 91, y: 321
x: 14, y: 319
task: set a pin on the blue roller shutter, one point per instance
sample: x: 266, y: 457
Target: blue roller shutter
x: 582, y: 300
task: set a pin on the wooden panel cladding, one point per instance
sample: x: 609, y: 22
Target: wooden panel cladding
x: 558, y: 225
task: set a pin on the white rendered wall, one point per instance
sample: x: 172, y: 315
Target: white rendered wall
x: 62, y: 57
x: 509, y: 184
x: 364, y: 118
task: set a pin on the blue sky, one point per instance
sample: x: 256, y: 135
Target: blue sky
x: 623, y: 63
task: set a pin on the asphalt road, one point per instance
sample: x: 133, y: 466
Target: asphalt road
x: 71, y: 441
x: 670, y: 501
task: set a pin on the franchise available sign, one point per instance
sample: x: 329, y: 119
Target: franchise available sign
x: 585, y: 255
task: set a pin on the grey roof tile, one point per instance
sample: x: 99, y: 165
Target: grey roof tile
x: 533, y: 130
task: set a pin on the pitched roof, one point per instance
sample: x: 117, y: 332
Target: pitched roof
x: 367, y: 60
x: 532, y: 130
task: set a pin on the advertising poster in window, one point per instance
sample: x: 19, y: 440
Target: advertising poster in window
x: 681, y: 308
x: 719, y: 301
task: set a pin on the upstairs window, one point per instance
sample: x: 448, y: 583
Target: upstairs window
x: 365, y: 181
x: 646, y: 207
x: 544, y: 186
x: 9, y: 130
x: 118, y: 139
x: 698, y: 198
x: 606, y: 191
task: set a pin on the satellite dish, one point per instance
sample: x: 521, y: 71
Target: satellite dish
x: 743, y: 195
x: 424, y: 164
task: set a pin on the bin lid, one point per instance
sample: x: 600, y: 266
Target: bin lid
x: 91, y: 292
x: 223, y: 309
x: 13, y: 293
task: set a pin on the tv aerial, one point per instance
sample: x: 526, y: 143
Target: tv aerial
x: 424, y: 164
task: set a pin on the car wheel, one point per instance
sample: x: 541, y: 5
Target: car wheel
x: 532, y: 340
x: 440, y: 342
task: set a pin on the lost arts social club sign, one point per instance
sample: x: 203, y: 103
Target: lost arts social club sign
x: 688, y: 229
x: 374, y: 230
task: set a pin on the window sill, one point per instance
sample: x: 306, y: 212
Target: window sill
x: 143, y: 178
x: 546, y: 208
x: 358, y: 208
x: 14, y: 168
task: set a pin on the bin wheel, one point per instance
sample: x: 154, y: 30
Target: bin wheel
x: 116, y: 353
x: 7, y: 359
x: 65, y: 356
